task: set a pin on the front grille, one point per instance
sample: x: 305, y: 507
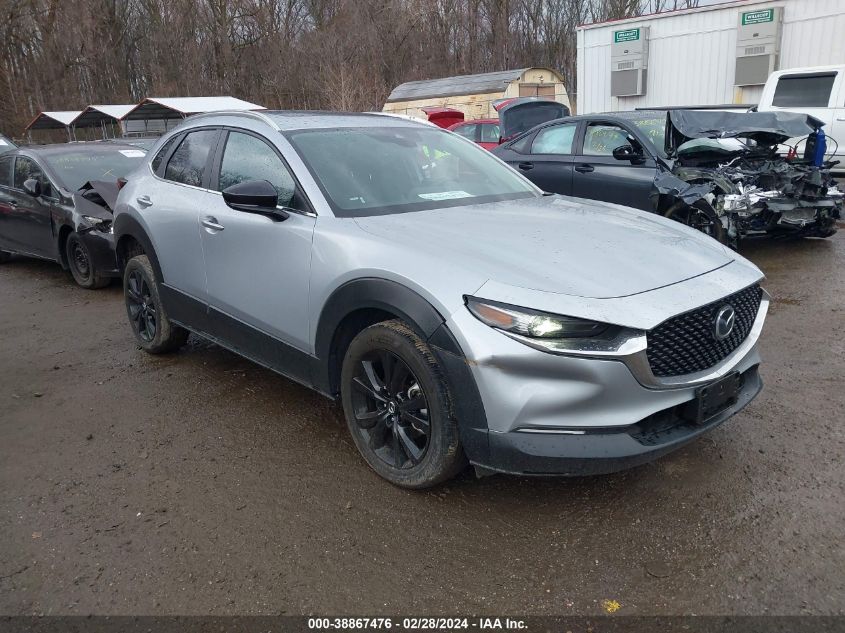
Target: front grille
x: 687, y: 343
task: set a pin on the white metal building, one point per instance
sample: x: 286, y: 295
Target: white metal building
x: 712, y: 55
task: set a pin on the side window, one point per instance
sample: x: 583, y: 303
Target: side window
x: 247, y: 157
x: 26, y: 168
x: 187, y: 165
x: 163, y: 152
x: 803, y: 91
x: 557, y: 139
x: 489, y: 133
x: 6, y: 171
x: 602, y: 139
x: 523, y: 145
x: 467, y: 131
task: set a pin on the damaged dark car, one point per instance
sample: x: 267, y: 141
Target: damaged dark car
x: 56, y: 203
x: 723, y: 173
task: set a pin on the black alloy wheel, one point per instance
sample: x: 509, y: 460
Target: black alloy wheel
x: 141, y: 306
x: 391, y: 410
x: 397, y: 404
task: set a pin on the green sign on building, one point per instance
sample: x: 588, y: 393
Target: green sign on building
x: 631, y: 35
x: 758, y: 17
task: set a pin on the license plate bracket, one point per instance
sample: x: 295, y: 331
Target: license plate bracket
x: 714, y: 398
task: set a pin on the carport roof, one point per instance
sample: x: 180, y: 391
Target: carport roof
x: 55, y: 120
x: 93, y: 115
x: 180, y: 107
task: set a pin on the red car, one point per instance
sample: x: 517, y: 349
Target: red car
x: 485, y: 132
x: 443, y: 117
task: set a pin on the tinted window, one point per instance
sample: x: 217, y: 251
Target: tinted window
x: 395, y: 169
x: 74, y: 168
x: 467, y: 131
x: 601, y: 140
x: 249, y: 158
x: 555, y: 140
x: 807, y: 91
x: 24, y: 170
x: 162, y: 153
x: 489, y: 133
x: 187, y: 165
x: 6, y: 171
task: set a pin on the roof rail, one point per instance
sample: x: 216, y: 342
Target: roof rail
x: 248, y: 113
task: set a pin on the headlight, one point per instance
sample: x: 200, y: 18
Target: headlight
x: 532, y: 323
x: 556, y: 333
x: 100, y: 224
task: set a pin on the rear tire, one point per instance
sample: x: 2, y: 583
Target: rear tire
x: 700, y: 216
x: 81, y: 265
x: 398, y: 408
x: 152, y: 327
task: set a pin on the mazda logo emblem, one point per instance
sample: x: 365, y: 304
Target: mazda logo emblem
x: 723, y: 324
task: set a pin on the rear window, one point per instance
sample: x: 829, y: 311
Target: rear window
x: 188, y: 163
x: 804, y: 91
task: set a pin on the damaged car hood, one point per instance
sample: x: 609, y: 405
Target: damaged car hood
x: 558, y: 245
x: 766, y: 128
x: 97, y: 198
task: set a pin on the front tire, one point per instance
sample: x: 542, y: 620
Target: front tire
x: 700, y: 216
x: 81, y: 264
x: 4, y: 257
x: 398, y: 408
x: 152, y: 327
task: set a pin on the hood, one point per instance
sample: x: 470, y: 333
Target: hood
x: 557, y: 244
x: 521, y: 114
x: 97, y: 198
x: 766, y: 128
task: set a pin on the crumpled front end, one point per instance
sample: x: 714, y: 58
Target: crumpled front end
x: 730, y: 162
x: 766, y: 197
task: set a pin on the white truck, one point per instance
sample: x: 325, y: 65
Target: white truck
x: 818, y: 91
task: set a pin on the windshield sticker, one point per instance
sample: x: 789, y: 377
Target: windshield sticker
x: 2, y: 142
x: 132, y: 153
x: 445, y: 195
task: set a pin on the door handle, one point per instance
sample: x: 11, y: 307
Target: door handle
x: 584, y: 169
x: 526, y: 166
x: 211, y: 224
x: 840, y: 118
x: 144, y: 201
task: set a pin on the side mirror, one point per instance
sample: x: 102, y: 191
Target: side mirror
x: 627, y: 152
x: 32, y: 187
x: 255, y: 196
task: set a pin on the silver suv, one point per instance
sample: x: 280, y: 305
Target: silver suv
x: 456, y: 311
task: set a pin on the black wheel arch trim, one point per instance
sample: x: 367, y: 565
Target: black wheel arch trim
x: 127, y: 226
x: 379, y: 294
x: 427, y: 322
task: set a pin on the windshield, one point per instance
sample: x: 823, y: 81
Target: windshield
x: 654, y: 129
x: 370, y: 171
x: 74, y: 168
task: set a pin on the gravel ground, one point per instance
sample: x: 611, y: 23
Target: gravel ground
x: 200, y: 483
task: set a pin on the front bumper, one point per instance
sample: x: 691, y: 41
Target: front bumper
x: 602, y: 451
x: 101, y: 248
x: 576, y: 415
